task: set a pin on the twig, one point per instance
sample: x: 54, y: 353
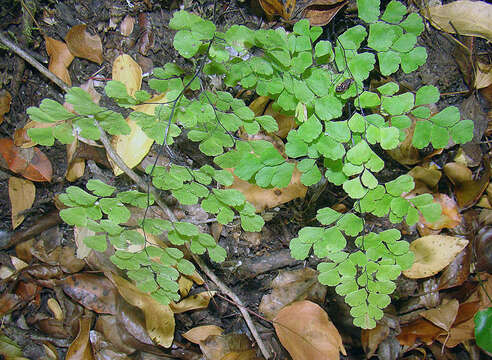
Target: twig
x: 244, y: 311
x: 144, y: 186
x: 33, y: 62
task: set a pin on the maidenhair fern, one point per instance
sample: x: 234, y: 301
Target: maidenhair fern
x: 304, y: 76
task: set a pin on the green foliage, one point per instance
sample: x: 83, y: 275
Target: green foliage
x: 483, y: 329
x: 312, y: 79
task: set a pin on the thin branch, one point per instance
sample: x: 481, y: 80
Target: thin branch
x: 33, y: 62
x: 244, y: 311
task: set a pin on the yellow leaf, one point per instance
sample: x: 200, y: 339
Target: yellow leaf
x: 200, y: 333
x: 307, y: 333
x: 471, y: 18
x: 432, y: 254
x: 126, y: 70
x: 132, y: 148
x: 159, y: 318
x: 197, y: 301
x: 21, y: 193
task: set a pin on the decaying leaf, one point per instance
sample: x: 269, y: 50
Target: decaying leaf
x: 450, y: 216
x: 307, y: 333
x: 406, y: 153
x: 483, y: 75
x: 467, y: 190
x: 30, y: 163
x: 268, y: 198
x: 284, y: 8
x: 193, y: 302
x: 60, y: 59
x: 76, y: 166
x: 132, y: 148
x: 200, y: 333
x: 290, y: 286
x: 81, y: 349
x: 159, y: 318
x: 443, y: 315
x: 320, y: 12
x: 228, y: 347
x: 22, y: 194
x: 471, y: 18
x: 262, y: 105
x: 92, y: 291
x: 126, y: 70
x: 126, y: 26
x: 5, y: 100
x: 84, y: 45
x: 432, y: 254
x: 371, y: 338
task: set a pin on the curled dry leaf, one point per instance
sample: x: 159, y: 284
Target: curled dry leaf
x: 290, y: 286
x: 193, y: 302
x: 307, y: 333
x: 126, y: 70
x: 84, y: 45
x: 81, y: 348
x: 60, y: 59
x: 268, y: 198
x: 159, y: 318
x: 471, y: 18
x: 76, y: 166
x: 132, y: 148
x: 467, y: 190
x: 200, y: 333
x: 22, y: 194
x: 432, y: 254
x: 320, y: 12
x: 5, y: 100
x: 30, y: 163
x: 284, y: 8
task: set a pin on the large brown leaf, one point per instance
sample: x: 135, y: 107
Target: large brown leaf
x: 30, y: 163
x: 84, y: 45
x: 307, y: 333
x: 320, y: 12
x: 60, y: 59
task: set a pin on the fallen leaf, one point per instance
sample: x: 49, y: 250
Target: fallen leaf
x: 456, y: 273
x: 80, y: 348
x: 268, y: 198
x: 126, y: 70
x: 228, y: 347
x: 483, y: 250
x: 444, y: 315
x: 432, y: 254
x: 421, y: 329
x: 467, y: 190
x: 284, y: 8
x: 307, y: 333
x: 185, y: 285
x: 132, y: 148
x: 429, y: 176
x: 9, y: 349
x: 320, y: 12
x: 371, y: 338
x: 483, y: 75
x: 470, y: 18
x: 450, y: 216
x: 22, y: 194
x: 200, y: 333
x: 405, y: 153
x: 290, y: 286
x: 84, y: 45
x: 60, y: 59
x: 30, y: 163
x: 76, y: 166
x: 197, y: 301
x: 92, y: 291
x: 126, y: 26
x: 159, y: 318
x: 5, y: 100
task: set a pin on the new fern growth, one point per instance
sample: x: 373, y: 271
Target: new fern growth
x: 310, y: 78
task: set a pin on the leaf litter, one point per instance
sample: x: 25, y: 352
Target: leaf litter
x: 451, y: 323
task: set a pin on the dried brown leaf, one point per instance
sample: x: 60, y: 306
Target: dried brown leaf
x: 284, y: 8
x: 320, y: 12
x: 471, y: 18
x: 192, y: 302
x: 201, y: 333
x: 84, y: 45
x: 81, y: 348
x: 443, y: 315
x: 307, y: 333
x: 60, y: 59
x: 22, y: 194
x: 126, y: 26
x: 5, y: 100
x: 290, y: 286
